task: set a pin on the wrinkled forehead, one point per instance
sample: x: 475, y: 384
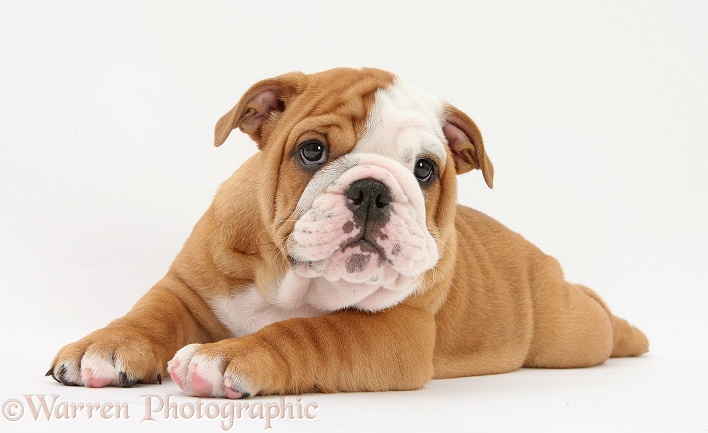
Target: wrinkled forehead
x: 403, y: 123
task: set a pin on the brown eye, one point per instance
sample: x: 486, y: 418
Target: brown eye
x: 313, y: 152
x: 423, y: 170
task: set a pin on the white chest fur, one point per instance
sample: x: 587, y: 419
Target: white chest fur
x: 247, y: 312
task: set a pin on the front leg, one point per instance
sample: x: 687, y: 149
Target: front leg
x: 136, y: 347
x: 345, y: 351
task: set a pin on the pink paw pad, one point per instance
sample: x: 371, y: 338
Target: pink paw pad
x: 95, y: 382
x: 200, y: 386
x: 229, y: 391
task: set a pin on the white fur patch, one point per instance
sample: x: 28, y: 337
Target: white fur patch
x: 99, y: 369
x: 403, y: 124
x: 247, y: 311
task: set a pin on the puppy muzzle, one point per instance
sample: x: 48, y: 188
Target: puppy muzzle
x: 364, y: 231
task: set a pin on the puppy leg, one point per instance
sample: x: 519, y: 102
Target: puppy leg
x: 135, y: 348
x: 574, y: 328
x: 627, y: 340
x: 345, y: 351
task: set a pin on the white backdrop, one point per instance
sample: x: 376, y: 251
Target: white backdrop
x: 594, y: 115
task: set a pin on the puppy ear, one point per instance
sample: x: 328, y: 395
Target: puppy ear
x: 465, y: 142
x: 262, y: 104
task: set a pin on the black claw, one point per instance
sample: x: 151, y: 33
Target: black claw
x: 124, y: 381
x: 159, y: 378
x: 245, y: 395
x: 51, y: 373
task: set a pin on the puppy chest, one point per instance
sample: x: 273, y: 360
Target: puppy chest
x: 246, y: 312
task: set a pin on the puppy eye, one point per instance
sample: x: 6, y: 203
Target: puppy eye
x: 313, y: 152
x: 423, y: 170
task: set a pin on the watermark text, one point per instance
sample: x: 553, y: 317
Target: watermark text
x: 156, y: 407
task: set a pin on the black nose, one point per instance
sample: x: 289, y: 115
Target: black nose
x: 369, y: 199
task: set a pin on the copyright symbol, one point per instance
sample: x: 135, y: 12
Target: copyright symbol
x: 13, y: 410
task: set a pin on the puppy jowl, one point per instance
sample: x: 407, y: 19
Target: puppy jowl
x: 348, y: 249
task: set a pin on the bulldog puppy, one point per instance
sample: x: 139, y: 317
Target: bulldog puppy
x: 337, y: 259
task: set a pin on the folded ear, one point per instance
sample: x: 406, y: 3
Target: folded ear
x: 261, y: 105
x: 465, y: 142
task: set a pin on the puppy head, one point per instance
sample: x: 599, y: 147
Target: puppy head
x: 357, y: 184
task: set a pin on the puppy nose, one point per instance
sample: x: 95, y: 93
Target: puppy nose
x: 369, y: 199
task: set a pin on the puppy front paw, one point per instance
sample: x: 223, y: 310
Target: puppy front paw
x: 107, y: 357
x: 212, y: 370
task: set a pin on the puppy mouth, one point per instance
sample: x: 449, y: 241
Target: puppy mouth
x: 365, y: 246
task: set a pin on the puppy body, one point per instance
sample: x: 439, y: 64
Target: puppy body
x: 353, y: 272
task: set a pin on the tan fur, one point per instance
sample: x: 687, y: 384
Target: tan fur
x: 493, y: 304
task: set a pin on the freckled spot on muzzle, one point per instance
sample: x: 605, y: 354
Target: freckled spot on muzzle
x: 396, y: 250
x: 357, y: 263
x: 348, y: 227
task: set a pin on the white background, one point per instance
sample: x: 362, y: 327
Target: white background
x: 594, y: 115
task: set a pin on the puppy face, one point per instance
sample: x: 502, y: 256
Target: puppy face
x: 362, y: 232
x: 358, y: 187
